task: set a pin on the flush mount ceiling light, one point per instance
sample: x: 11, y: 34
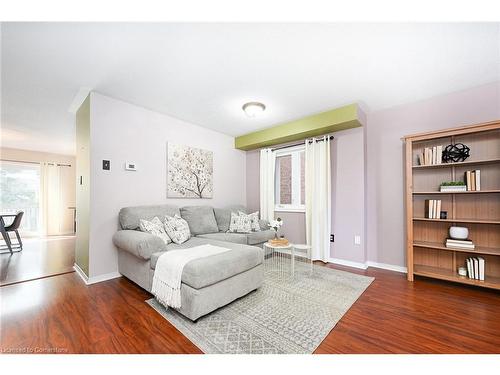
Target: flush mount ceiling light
x: 253, y: 109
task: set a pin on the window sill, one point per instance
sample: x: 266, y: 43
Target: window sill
x: 289, y: 209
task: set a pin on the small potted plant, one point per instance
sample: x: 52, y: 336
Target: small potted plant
x: 452, y: 186
x: 276, y: 225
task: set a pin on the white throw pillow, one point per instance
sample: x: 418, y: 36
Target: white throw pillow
x: 240, y: 223
x: 156, y: 228
x: 254, y: 220
x: 177, y: 228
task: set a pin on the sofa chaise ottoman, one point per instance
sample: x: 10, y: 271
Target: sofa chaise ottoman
x: 207, y: 283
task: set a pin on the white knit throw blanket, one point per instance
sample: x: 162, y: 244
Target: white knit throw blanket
x: 168, y: 272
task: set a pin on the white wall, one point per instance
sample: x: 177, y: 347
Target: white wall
x: 123, y: 132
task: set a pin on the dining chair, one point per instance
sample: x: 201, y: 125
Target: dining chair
x: 13, y: 227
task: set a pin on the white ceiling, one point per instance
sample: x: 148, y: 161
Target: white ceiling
x: 203, y: 73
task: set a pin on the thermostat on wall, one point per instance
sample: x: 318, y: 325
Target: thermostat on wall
x: 130, y: 166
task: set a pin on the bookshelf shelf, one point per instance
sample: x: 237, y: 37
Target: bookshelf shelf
x: 440, y: 246
x: 450, y: 275
x: 479, y: 211
x: 465, y: 221
x: 459, y: 164
x: 457, y: 192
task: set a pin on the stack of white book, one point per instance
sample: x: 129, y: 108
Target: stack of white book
x: 431, y: 155
x: 460, y: 244
x: 433, y: 208
x: 475, y: 268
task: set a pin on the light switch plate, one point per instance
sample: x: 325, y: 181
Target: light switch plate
x: 106, y: 165
x: 130, y: 166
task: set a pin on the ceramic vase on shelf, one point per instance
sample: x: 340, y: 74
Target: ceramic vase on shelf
x: 459, y: 233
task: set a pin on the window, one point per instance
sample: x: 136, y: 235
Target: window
x: 289, y: 183
x: 20, y: 189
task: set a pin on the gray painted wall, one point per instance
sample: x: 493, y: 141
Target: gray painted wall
x: 347, y: 197
x: 122, y: 132
x: 380, y: 221
x: 385, y: 189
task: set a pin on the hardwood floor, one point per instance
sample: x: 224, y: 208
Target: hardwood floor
x: 41, y: 257
x: 62, y: 314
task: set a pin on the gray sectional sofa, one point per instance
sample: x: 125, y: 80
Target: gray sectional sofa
x: 207, y: 283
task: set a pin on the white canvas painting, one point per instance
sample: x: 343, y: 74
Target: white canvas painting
x: 189, y: 172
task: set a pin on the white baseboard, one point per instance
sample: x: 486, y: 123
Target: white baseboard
x: 105, y: 277
x: 348, y: 263
x: 80, y: 273
x: 96, y: 279
x: 385, y: 266
x: 367, y: 264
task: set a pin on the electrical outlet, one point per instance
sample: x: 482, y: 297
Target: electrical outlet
x: 106, y: 165
x: 357, y: 240
x: 332, y: 238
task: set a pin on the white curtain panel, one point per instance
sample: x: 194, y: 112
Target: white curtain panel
x: 50, y: 197
x: 267, y: 168
x: 318, y: 197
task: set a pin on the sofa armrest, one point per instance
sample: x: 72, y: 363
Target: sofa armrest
x: 264, y: 224
x: 138, y: 243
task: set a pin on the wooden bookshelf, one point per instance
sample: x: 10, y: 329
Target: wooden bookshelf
x: 462, y: 163
x: 457, y: 192
x: 479, y: 211
x: 470, y: 221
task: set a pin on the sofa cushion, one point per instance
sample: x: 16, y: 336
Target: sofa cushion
x: 130, y: 217
x: 223, y: 216
x: 201, y: 219
x: 255, y: 238
x: 203, y: 272
x: 228, y: 237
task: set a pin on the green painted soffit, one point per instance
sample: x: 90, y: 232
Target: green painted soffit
x: 322, y: 123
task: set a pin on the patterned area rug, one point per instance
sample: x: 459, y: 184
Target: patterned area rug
x: 285, y: 316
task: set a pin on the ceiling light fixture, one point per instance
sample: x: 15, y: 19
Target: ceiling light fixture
x: 253, y: 109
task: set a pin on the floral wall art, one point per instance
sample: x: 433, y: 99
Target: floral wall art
x: 189, y: 172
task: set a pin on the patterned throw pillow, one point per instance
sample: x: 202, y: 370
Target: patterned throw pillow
x: 254, y: 220
x: 156, y: 228
x: 240, y: 223
x: 177, y: 228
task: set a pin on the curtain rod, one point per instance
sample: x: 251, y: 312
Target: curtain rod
x: 35, y: 162
x: 300, y: 143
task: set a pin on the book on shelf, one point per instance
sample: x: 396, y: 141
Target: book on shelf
x: 458, y: 244
x: 481, y: 268
x: 431, y: 155
x: 472, y: 180
x: 466, y: 242
x: 469, y: 268
x: 475, y: 268
x: 439, y: 154
x: 433, y: 208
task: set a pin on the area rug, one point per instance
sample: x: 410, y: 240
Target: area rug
x: 285, y: 316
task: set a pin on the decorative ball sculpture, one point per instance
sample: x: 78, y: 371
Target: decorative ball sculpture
x: 455, y: 153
